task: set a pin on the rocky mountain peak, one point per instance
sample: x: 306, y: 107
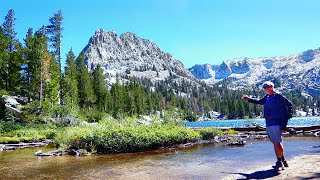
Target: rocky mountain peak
x: 128, y: 55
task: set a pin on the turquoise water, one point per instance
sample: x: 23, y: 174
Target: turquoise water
x: 301, y: 121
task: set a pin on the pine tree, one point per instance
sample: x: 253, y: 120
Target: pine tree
x: 3, y: 58
x: 117, y: 99
x: 51, y: 100
x: 38, y: 62
x: 12, y: 58
x: 99, y: 88
x: 55, y: 38
x: 33, y: 46
x: 71, y: 98
x: 85, y: 89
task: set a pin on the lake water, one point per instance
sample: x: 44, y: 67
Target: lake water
x: 210, y: 161
x: 301, y: 121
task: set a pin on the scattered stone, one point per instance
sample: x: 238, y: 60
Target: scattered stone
x: 9, y: 147
x: 237, y: 143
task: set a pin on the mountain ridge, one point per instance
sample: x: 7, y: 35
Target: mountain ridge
x: 295, y: 71
x: 128, y: 55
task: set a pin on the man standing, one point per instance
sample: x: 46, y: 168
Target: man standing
x: 275, y: 113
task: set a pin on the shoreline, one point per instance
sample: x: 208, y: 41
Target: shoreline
x: 300, y: 167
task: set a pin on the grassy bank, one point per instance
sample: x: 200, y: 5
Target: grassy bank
x: 15, y: 133
x: 112, y: 137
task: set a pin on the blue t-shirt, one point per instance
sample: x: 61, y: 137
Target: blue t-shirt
x: 272, y: 112
x: 274, y: 109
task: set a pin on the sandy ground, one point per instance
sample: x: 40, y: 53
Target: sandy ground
x: 301, y: 167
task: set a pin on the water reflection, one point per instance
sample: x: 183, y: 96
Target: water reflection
x: 198, y: 162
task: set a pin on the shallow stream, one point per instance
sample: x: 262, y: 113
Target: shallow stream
x: 198, y: 162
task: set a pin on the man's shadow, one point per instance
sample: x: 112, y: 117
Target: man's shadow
x: 260, y: 174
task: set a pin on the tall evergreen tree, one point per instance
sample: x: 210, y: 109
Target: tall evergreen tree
x: 38, y: 62
x: 51, y: 101
x: 85, y: 89
x: 55, y: 38
x: 71, y: 83
x: 117, y: 99
x: 3, y: 58
x: 12, y: 58
x: 99, y: 88
x: 33, y: 65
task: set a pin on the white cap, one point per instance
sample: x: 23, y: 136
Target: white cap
x: 267, y: 84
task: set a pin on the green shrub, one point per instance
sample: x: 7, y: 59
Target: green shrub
x: 34, y: 131
x: 7, y: 126
x: 91, y: 115
x: 209, y: 133
x: 111, y: 137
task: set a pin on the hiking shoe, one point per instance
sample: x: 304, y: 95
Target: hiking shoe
x: 278, y: 165
x: 284, y: 162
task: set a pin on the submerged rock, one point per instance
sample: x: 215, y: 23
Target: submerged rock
x: 50, y: 153
x: 236, y: 143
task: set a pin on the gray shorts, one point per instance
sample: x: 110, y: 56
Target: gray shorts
x: 274, y: 133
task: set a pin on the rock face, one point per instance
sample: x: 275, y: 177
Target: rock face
x: 131, y: 56
x: 296, y: 71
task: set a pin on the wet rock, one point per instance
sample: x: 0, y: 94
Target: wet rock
x: 57, y: 153
x: 74, y: 152
x: 40, y: 153
x: 260, y: 136
x: 292, y: 131
x: 308, y: 132
x: 50, y: 153
x: 237, y: 143
x: 244, y: 136
x: 186, y: 145
x: 8, y: 148
x: 317, y: 134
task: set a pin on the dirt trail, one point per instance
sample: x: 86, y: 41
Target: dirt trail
x: 301, y: 167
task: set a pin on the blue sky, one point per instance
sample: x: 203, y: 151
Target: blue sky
x: 193, y: 31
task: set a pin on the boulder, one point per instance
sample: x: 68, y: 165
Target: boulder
x: 11, y: 103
